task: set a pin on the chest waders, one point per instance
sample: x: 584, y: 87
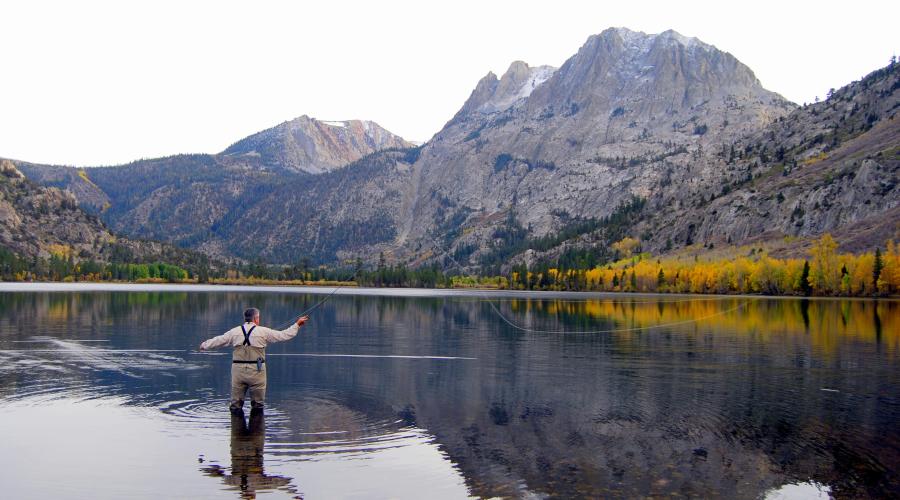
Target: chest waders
x: 243, y: 375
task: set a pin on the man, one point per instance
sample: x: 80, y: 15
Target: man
x: 248, y: 363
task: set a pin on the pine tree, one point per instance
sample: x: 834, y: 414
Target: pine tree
x: 381, y: 271
x: 876, y: 271
x: 805, y: 286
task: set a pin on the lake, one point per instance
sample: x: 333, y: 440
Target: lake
x: 449, y: 394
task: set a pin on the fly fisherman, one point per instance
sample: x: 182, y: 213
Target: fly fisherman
x: 248, y: 369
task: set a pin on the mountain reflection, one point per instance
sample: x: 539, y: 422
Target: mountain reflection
x: 668, y: 395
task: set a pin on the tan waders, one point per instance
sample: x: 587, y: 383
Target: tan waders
x: 248, y: 373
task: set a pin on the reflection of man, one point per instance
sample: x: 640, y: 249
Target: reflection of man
x: 248, y: 369
x: 247, y: 473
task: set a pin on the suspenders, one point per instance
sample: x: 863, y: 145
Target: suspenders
x: 259, y: 361
x: 247, y: 334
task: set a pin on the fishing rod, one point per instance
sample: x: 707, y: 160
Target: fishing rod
x: 304, y: 313
x: 506, y: 320
x: 311, y: 309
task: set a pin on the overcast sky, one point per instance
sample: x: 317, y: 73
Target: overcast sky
x: 90, y: 83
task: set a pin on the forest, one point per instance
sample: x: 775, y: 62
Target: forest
x: 741, y: 271
x: 825, y: 273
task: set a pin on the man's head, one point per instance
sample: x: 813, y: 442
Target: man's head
x: 251, y: 315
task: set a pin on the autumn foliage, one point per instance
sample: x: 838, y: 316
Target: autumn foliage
x: 825, y: 273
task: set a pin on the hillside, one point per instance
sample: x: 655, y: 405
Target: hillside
x: 37, y: 222
x: 831, y: 166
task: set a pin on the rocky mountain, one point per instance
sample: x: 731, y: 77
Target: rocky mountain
x: 660, y: 137
x: 629, y: 115
x: 195, y: 201
x: 37, y: 221
x: 830, y: 166
x: 308, y: 145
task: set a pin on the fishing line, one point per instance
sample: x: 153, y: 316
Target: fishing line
x: 634, y: 329
x: 373, y: 356
x: 506, y: 320
x: 613, y: 299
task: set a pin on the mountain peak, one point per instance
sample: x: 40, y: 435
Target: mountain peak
x: 678, y: 37
x: 660, y: 72
x: 516, y: 69
x: 306, y: 144
x: 622, y: 32
x: 517, y: 83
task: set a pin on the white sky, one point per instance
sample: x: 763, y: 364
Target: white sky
x: 90, y: 83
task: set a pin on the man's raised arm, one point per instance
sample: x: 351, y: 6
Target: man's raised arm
x: 287, y: 334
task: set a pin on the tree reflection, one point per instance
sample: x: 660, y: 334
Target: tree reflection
x: 828, y: 322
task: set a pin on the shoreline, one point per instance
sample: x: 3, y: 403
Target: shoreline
x: 352, y: 290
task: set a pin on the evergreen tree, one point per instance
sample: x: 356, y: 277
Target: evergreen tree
x: 381, y: 272
x: 805, y: 286
x: 203, y: 274
x: 876, y: 271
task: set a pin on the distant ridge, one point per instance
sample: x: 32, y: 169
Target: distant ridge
x: 313, y: 146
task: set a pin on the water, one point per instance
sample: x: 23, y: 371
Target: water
x: 417, y: 394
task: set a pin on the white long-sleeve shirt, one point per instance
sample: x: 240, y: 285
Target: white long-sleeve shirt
x: 261, y: 336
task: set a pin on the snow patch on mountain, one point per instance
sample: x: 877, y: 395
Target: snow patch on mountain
x: 516, y: 85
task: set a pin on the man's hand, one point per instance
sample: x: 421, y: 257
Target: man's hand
x: 301, y: 320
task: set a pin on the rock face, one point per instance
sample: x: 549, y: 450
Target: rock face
x: 674, y: 123
x: 308, y: 145
x: 34, y: 218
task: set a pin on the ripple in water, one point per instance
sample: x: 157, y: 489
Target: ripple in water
x: 66, y: 355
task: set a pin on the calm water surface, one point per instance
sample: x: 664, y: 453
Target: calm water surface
x: 415, y: 394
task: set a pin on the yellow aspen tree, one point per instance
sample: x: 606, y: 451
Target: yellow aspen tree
x: 626, y: 246
x: 825, y: 275
x: 889, y: 279
x: 861, y: 269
